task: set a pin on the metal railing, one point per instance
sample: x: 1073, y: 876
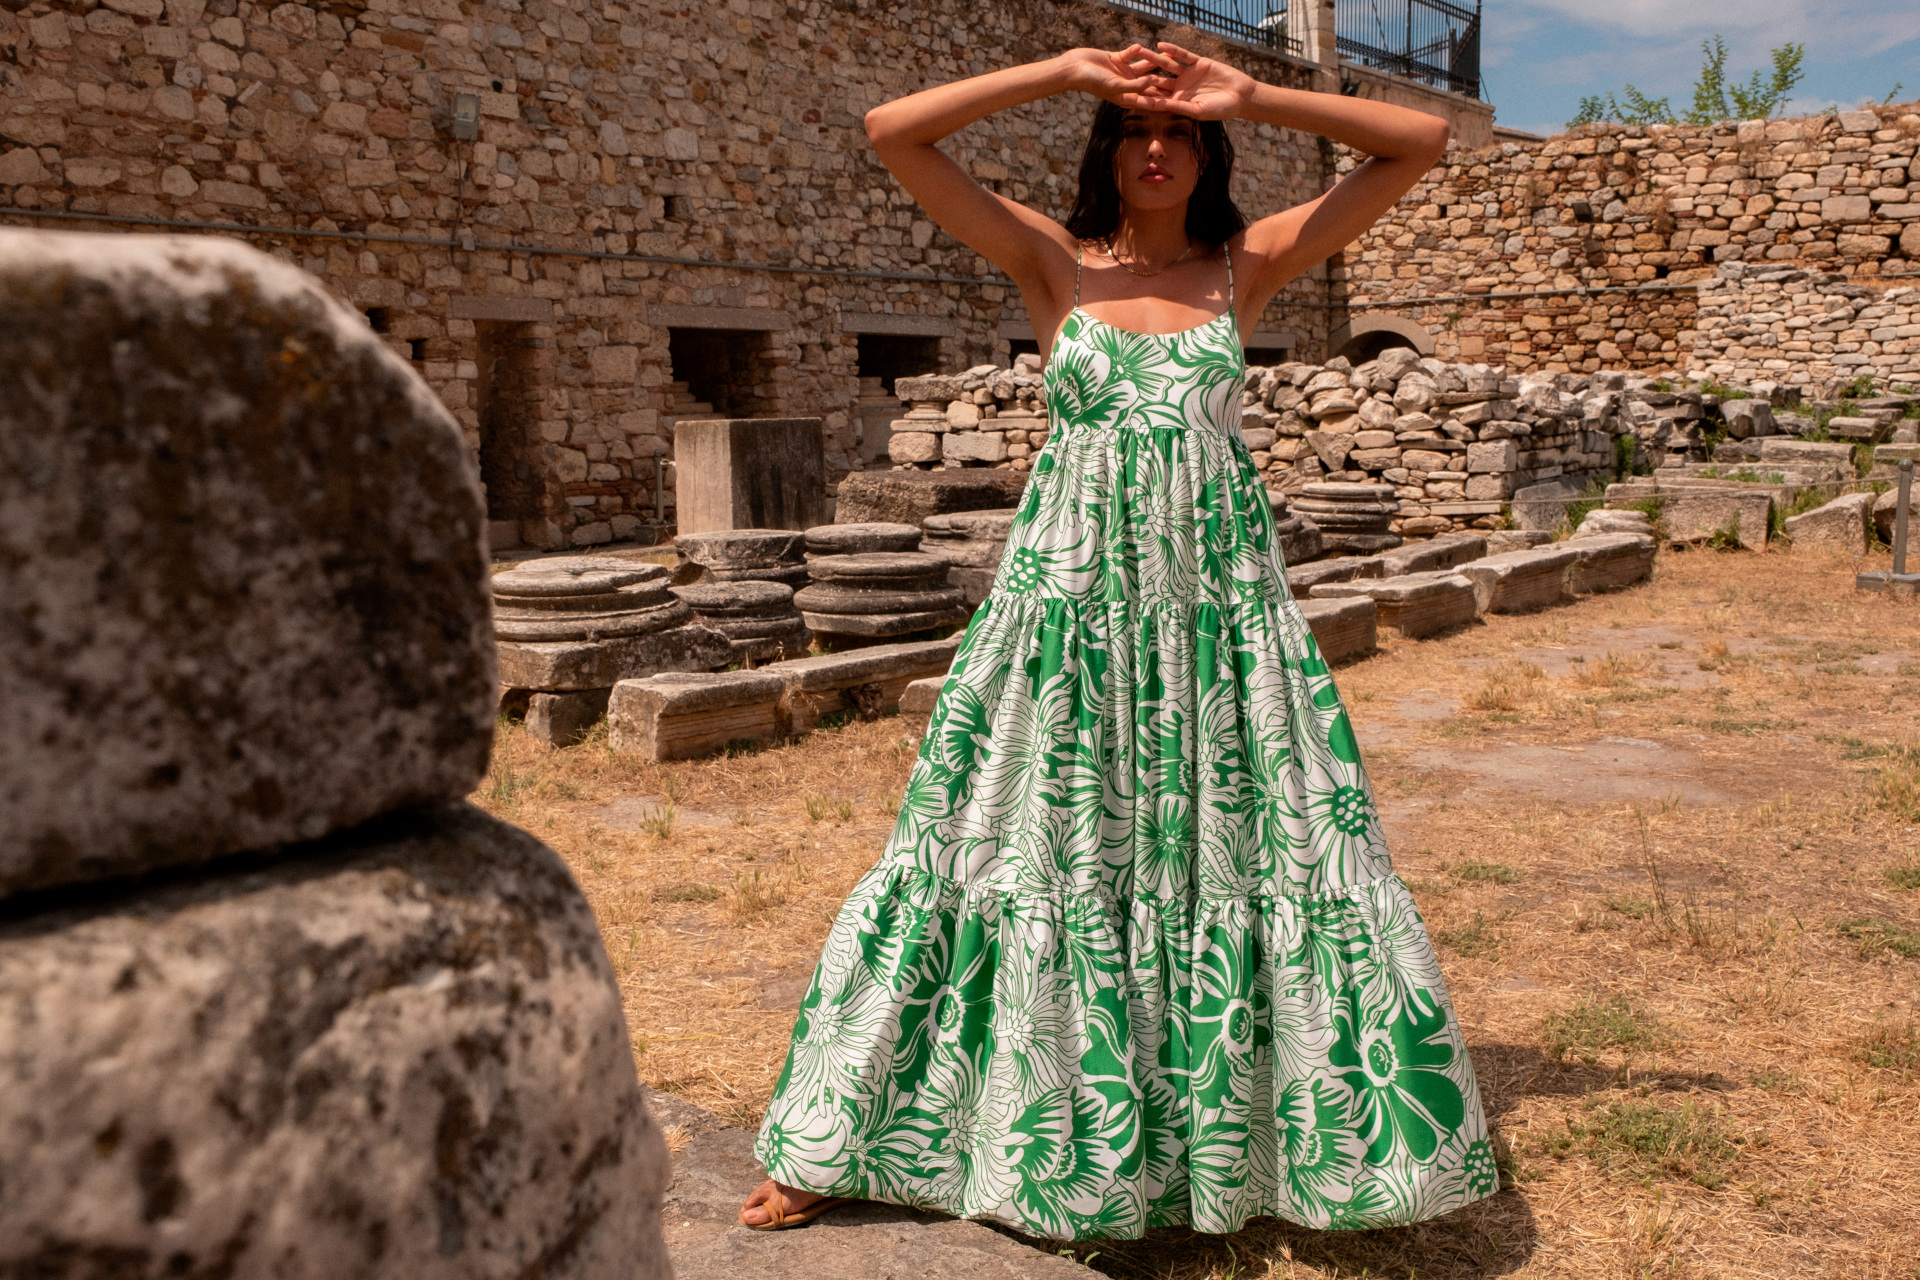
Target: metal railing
x: 1263, y: 22
x: 1436, y: 42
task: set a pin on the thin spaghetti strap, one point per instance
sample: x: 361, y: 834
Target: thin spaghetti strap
x: 1228, y: 250
x: 1079, y: 257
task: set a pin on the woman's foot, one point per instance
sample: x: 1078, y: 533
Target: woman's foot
x: 773, y: 1200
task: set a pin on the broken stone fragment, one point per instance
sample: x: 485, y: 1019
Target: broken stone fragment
x: 241, y: 564
x: 399, y: 1052
x: 855, y: 539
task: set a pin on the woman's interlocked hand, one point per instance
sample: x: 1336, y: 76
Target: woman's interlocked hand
x: 1114, y: 77
x: 1189, y: 85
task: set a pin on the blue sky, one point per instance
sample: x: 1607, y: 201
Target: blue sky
x: 1539, y: 57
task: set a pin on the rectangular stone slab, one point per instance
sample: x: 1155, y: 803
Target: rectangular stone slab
x: 1445, y: 552
x: 1609, y: 560
x: 399, y: 1052
x: 601, y: 664
x: 1338, y: 569
x: 1696, y: 515
x: 680, y: 717
x: 1342, y: 628
x: 242, y: 575
x: 818, y: 686
x: 1414, y: 605
x: 1520, y: 581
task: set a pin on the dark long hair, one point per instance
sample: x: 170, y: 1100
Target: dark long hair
x: 1212, y: 217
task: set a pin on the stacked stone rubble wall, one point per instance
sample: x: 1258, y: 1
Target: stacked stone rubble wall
x: 1836, y: 196
x: 724, y: 133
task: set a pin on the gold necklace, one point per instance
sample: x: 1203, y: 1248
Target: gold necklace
x: 1146, y: 275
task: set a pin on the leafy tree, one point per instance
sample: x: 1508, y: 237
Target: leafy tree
x: 1757, y: 99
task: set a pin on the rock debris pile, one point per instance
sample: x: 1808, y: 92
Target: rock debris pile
x: 360, y: 1027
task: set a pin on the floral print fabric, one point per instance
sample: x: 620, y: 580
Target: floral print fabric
x: 1135, y: 954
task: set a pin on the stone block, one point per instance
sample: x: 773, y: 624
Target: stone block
x: 1695, y: 515
x: 677, y: 717
x: 1305, y: 578
x: 1747, y: 418
x: 917, y: 702
x: 1845, y: 209
x: 1846, y: 522
x: 1886, y: 508
x: 1782, y: 449
x: 929, y: 387
x: 1492, y: 455
x: 400, y: 1052
x: 241, y: 542
x: 974, y: 446
x: 1415, y: 605
x: 600, y: 664
x: 909, y: 497
x: 682, y: 716
x: 1520, y: 581
x: 1608, y: 560
x: 1342, y: 628
x: 1504, y: 540
x: 913, y: 446
x: 1445, y: 552
x: 750, y: 473
x: 562, y: 719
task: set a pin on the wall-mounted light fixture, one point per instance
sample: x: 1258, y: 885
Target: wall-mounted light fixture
x: 466, y: 116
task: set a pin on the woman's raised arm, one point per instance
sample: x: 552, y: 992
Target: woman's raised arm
x: 1020, y: 241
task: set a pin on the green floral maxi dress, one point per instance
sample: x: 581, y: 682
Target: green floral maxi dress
x: 1135, y: 954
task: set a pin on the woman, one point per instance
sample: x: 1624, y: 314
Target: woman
x: 1135, y: 954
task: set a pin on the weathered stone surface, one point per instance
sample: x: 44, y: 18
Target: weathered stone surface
x: 680, y: 717
x: 750, y: 473
x: 1747, y: 418
x: 885, y: 624
x: 885, y: 570
x: 1886, y: 508
x: 601, y: 664
x: 917, y: 702
x: 1609, y: 560
x: 974, y: 446
x: 1502, y: 540
x: 713, y: 1172
x: 399, y: 1053
x: 855, y: 539
x: 1342, y: 628
x: 548, y: 625
x: 677, y: 717
x: 1347, y: 491
x: 1520, y: 581
x: 743, y: 548
x: 562, y: 719
x: 1695, y: 515
x: 913, y: 446
x: 240, y: 545
x: 1846, y: 522
x: 715, y: 599
x: 977, y: 583
x: 1305, y: 578
x: 1607, y: 520
x: 978, y: 526
x: 1346, y: 542
x: 1444, y: 552
x: 826, y: 597
x: 909, y: 497
x: 1413, y: 604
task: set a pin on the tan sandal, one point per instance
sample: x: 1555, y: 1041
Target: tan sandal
x: 779, y: 1219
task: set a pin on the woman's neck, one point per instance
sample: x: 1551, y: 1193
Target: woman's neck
x: 1152, y: 236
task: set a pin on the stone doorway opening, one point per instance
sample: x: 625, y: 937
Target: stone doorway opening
x: 524, y: 496
x: 720, y: 373
x: 880, y: 359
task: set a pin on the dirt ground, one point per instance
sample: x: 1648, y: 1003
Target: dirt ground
x: 1667, y: 839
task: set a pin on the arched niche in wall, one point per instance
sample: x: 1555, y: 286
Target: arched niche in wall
x: 1365, y: 337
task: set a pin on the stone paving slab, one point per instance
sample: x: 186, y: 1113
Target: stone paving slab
x: 715, y: 1170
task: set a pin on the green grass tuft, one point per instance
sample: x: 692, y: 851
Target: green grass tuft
x: 1595, y: 1025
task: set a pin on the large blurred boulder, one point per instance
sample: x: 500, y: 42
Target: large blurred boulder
x: 241, y: 574
x: 399, y: 1053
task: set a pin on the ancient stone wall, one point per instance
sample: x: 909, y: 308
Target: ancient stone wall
x: 630, y: 162
x: 1587, y: 250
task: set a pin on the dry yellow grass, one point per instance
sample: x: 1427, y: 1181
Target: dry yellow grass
x: 1666, y: 839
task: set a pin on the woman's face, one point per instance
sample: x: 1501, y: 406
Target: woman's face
x: 1158, y: 163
